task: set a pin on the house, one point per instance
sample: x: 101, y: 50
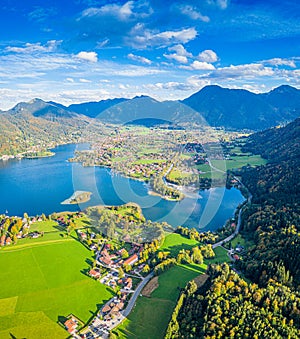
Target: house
x: 94, y: 273
x: 106, y: 309
x: 2, y: 240
x: 106, y: 260
x: 71, y: 325
x: 131, y: 260
x: 236, y: 257
x: 239, y: 248
x: 128, y: 283
x: 8, y: 241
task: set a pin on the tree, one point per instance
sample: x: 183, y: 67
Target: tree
x: 124, y: 254
x: 146, y: 269
x: 121, y: 273
x: 197, y: 256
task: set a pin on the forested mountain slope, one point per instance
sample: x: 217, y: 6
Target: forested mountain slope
x: 269, y: 305
x: 241, y: 109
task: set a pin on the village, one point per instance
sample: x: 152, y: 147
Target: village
x: 119, y: 269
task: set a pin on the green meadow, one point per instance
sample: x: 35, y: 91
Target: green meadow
x: 150, y: 317
x: 44, y: 283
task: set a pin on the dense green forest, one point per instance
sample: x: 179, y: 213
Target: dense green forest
x: 268, y: 304
x: 226, y: 306
x: 273, y: 219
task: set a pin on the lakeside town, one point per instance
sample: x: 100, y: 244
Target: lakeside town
x: 124, y: 267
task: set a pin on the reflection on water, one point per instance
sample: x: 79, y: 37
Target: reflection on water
x: 39, y: 186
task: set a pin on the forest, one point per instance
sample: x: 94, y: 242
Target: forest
x: 259, y: 297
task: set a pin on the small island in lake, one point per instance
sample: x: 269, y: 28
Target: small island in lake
x: 78, y: 197
x: 38, y: 154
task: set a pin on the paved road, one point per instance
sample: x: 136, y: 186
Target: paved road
x: 238, y: 226
x: 230, y: 237
x: 136, y: 293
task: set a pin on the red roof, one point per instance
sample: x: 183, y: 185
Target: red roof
x: 94, y: 273
x: 2, y: 240
x: 131, y: 260
x: 70, y: 325
x: 106, y: 260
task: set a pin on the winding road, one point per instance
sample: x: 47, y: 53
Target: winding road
x: 136, y: 293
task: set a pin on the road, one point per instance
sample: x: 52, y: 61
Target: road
x: 136, y: 293
x: 230, y: 237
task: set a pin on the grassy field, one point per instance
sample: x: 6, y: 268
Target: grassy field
x: 151, y: 316
x: 175, y: 242
x: 238, y: 240
x: 148, y: 161
x: 239, y: 161
x: 176, y: 174
x: 221, y: 256
x: 44, y: 283
x: 234, y: 162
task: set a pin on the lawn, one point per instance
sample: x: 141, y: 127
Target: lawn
x: 238, y: 240
x: 148, y: 161
x: 40, y: 284
x: 175, y: 242
x: 239, y: 161
x: 221, y: 256
x: 45, y: 226
x: 176, y: 174
x: 151, y: 316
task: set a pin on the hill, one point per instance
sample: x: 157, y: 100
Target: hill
x: 38, y: 123
x: 241, y: 109
x: 267, y: 305
x: 93, y: 109
x: 143, y: 109
x: 273, y: 220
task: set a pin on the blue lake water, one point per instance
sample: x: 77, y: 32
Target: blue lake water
x: 40, y: 185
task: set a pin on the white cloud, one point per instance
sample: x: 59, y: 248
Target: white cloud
x: 50, y: 46
x: 180, y: 50
x: 138, y: 58
x: 181, y: 54
x: 84, y: 80
x: 280, y: 62
x: 223, y: 4
x: 182, y: 36
x: 208, y: 56
x: 192, y: 13
x: 199, y: 65
x: 89, y: 56
x: 140, y: 37
x: 124, y: 12
x: 246, y: 70
x: 179, y: 58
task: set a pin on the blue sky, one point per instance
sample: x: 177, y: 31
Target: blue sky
x: 88, y: 50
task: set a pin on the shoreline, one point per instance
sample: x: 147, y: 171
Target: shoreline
x: 78, y: 197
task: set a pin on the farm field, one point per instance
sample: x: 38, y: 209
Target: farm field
x: 149, y: 319
x: 175, y: 242
x: 54, y: 284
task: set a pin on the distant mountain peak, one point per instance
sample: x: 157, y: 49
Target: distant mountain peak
x: 284, y: 88
x: 241, y: 109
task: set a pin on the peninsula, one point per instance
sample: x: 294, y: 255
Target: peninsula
x: 78, y: 197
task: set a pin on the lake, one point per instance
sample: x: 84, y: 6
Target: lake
x: 40, y: 185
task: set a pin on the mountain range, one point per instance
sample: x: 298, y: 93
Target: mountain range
x: 220, y: 107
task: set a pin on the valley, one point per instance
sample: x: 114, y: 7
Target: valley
x: 129, y: 189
